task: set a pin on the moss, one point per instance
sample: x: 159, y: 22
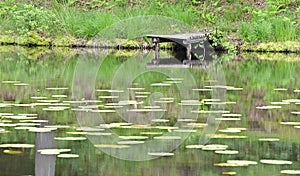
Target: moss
x: 273, y: 56
x: 33, y: 39
x: 288, y: 46
x: 7, y: 39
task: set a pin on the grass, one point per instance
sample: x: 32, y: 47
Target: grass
x: 270, y: 22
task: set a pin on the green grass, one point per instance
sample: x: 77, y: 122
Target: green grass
x: 272, y: 21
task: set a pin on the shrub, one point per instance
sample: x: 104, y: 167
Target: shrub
x: 28, y: 18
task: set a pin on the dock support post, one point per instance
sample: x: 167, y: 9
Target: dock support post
x: 188, y: 52
x: 156, y: 49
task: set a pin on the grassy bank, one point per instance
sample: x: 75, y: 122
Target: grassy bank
x: 234, y: 23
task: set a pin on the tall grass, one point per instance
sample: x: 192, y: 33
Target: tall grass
x: 87, y: 24
x: 274, y: 29
x: 84, y: 24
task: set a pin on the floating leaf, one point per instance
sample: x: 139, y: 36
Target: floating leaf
x: 268, y: 107
x: 16, y: 145
x: 160, y: 154
x: 194, y: 146
x: 133, y: 137
x: 130, y: 142
x: 291, y: 172
x: 279, y: 162
x: 52, y: 151
x: 269, y: 139
x: 70, y: 138
x: 12, y: 152
x: 67, y: 156
x: 111, y: 146
x: 227, y: 152
x: 167, y: 137
x: 242, y: 162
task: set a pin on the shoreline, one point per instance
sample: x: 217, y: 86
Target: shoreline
x: 35, y: 40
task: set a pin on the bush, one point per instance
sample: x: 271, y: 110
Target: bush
x: 28, y: 18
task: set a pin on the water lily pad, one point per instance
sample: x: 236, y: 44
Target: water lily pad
x: 230, y: 130
x: 57, y: 88
x: 164, y: 101
x: 59, y: 96
x: 214, y: 147
x: 21, y: 84
x: 98, y: 134
x: 161, y: 84
x: 160, y: 120
x: 269, y: 139
x: 109, y: 97
x: 186, y: 120
x: 279, y: 162
x: 57, y: 126
x: 290, y: 172
x: 229, y: 173
x: 210, y: 112
x: 130, y: 142
x: 231, y: 115
x: 133, y: 137
x: 225, y: 136
x: 160, y: 154
x: 228, y: 119
x: 203, y: 90
x: 12, y: 152
x: 167, y: 137
x: 147, y: 110
x: 16, y: 145
x: 290, y: 123
x: 227, y: 152
x: 70, y: 138
x: 89, y: 129
x: 48, y: 101
x: 110, y: 90
x: 167, y: 127
x: 38, y: 98
x: 185, y: 131
x: 247, y: 162
x: 229, y: 165
x: 268, y: 107
x: 102, y: 111
x: 280, y: 103
x: 52, y: 151
x: 10, y: 82
x: 67, y: 155
x: 292, y: 100
x: 111, y: 146
x: 7, y: 125
x: 190, y: 103
x: 20, y: 117
x: 295, y: 113
x: 197, y: 125
x: 280, y: 89
x: 42, y: 130
x: 151, y: 133
x: 194, y: 146
x: 136, y: 88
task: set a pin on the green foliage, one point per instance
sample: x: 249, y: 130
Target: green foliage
x: 28, y: 17
x: 218, y: 41
x: 273, y: 29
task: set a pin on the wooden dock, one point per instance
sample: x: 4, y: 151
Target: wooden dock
x: 186, y: 40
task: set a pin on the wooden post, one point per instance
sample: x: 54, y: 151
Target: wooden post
x: 157, y: 49
x: 188, y: 52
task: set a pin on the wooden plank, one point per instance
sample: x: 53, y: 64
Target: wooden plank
x: 180, y: 38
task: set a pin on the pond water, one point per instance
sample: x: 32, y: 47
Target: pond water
x: 105, y: 112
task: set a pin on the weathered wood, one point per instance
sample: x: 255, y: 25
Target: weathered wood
x: 184, y: 39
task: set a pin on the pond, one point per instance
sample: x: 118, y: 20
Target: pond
x: 106, y: 112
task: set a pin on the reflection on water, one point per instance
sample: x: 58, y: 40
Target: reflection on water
x: 55, y: 101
